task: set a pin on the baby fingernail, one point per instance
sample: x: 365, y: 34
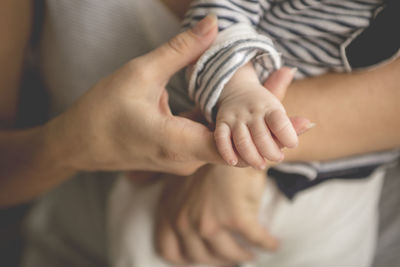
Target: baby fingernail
x: 233, y: 162
x: 262, y: 167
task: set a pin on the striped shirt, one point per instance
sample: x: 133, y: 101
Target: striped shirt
x: 311, y: 35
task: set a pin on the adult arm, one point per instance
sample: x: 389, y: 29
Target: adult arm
x: 123, y: 122
x: 354, y: 113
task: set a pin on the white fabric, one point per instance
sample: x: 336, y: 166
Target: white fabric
x: 84, y: 40
x: 331, y: 225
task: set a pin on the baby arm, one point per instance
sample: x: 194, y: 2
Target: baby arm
x: 251, y: 122
x: 222, y: 78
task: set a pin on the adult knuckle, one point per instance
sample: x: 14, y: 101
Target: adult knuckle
x: 179, y: 44
x: 241, y: 223
x: 207, y: 227
x: 182, y: 222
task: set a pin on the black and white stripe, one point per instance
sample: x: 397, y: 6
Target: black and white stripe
x: 308, y: 33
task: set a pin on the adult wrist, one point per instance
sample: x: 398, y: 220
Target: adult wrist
x: 59, y: 147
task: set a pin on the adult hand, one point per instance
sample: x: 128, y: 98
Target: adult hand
x: 199, y: 217
x: 124, y: 122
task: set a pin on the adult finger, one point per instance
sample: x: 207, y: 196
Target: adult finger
x: 301, y: 125
x: 226, y: 247
x: 193, y: 248
x: 196, y: 251
x: 193, y: 140
x: 182, y: 49
x: 167, y: 244
x: 254, y: 234
x: 278, y: 82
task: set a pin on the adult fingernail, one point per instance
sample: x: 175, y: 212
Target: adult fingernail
x: 204, y: 26
x: 293, y: 71
x: 307, y: 127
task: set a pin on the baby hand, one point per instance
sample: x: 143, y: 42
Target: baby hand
x: 252, y: 123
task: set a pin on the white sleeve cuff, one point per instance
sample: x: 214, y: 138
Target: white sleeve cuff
x: 233, y: 48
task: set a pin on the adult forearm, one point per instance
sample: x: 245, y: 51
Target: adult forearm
x: 354, y: 113
x: 31, y: 163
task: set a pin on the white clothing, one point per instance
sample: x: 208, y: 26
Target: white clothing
x: 333, y: 224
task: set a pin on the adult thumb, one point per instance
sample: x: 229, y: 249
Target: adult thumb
x: 278, y: 82
x: 183, y: 49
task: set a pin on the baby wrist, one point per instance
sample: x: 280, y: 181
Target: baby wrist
x: 235, y: 47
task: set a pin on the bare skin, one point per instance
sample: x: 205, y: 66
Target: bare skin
x: 357, y: 113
